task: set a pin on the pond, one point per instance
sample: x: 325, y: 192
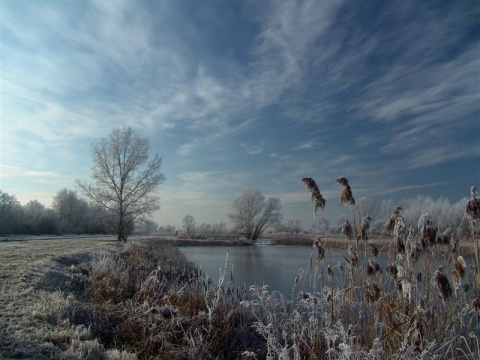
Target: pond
x: 275, y: 266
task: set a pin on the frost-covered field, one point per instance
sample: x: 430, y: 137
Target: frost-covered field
x: 95, y: 298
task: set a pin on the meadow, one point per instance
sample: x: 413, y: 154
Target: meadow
x: 95, y: 298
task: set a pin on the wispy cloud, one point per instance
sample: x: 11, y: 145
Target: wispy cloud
x: 251, y: 149
x: 13, y: 171
x: 307, y: 145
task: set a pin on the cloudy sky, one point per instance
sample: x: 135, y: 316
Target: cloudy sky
x: 245, y: 94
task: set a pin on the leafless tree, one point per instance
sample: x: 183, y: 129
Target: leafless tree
x: 290, y: 226
x: 365, y: 207
x: 71, y: 211
x: 124, y: 179
x: 252, y: 214
x: 189, y: 224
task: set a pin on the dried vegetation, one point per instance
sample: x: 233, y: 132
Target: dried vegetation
x: 145, y: 300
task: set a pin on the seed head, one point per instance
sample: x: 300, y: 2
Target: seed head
x: 346, y: 198
x: 317, y: 245
x: 442, y: 283
x: 373, y: 248
x: 317, y: 199
x: 347, y: 229
x: 459, y: 266
x: 353, y: 256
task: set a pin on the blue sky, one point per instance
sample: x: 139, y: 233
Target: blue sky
x: 239, y: 94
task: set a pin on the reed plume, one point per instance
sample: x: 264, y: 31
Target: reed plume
x: 374, y: 249
x: 399, y: 233
x: 472, y: 208
x: 459, y: 266
x: 346, y: 198
x: 347, y: 230
x: 442, y: 283
x: 373, y: 267
x: 364, y: 226
x: 428, y: 232
x: 353, y: 256
x: 318, y: 246
x: 317, y: 199
x: 391, y: 222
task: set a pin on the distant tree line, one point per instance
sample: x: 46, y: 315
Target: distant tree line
x: 69, y: 214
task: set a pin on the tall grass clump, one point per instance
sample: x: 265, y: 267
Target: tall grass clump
x: 423, y: 303
x: 161, y: 306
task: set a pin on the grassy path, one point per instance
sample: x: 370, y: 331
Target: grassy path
x: 28, y: 268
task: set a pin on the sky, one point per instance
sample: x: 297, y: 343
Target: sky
x: 245, y: 94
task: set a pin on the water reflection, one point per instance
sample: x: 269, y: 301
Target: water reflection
x: 275, y: 266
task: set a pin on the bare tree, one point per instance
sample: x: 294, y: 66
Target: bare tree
x: 71, y: 211
x: 10, y: 213
x: 290, y: 226
x: 365, y: 207
x: 124, y: 179
x: 189, y: 223
x: 253, y: 214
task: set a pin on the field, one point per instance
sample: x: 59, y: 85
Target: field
x: 95, y: 298
x: 35, y: 274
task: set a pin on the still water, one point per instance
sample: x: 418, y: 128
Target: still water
x: 276, y: 266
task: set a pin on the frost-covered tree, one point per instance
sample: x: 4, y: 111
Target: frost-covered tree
x: 34, y: 214
x: 188, y: 224
x: 253, y: 214
x: 124, y: 178
x: 290, y: 226
x: 71, y: 210
x: 10, y: 214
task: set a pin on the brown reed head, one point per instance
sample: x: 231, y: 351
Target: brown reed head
x: 310, y: 184
x: 374, y: 249
x: 353, y: 256
x: 342, y: 181
x: 373, y: 267
x: 347, y: 230
x: 442, y: 283
x: 318, y: 202
x: 472, y: 209
x: 317, y: 199
x: 346, y: 198
x: 459, y: 266
x: 392, y: 270
x: 391, y: 222
x: 318, y: 246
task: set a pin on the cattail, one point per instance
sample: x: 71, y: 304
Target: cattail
x: 472, y: 208
x: 459, y: 266
x: 373, y: 267
x: 347, y: 230
x: 329, y: 270
x: 346, y: 198
x: 419, y: 277
x: 391, y: 222
x: 373, y: 248
x: 442, y: 283
x: 317, y: 199
x: 399, y: 233
x: 372, y: 291
x: 318, y: 202
x: 416, y: 251
x: 353, y: 256
x: 342, y: 181
x: 392, y: 270
x: 427, y: 231
x: 317, y: 245
x: 364, y: 226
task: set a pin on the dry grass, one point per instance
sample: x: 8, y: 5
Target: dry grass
x: 96, y: 299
